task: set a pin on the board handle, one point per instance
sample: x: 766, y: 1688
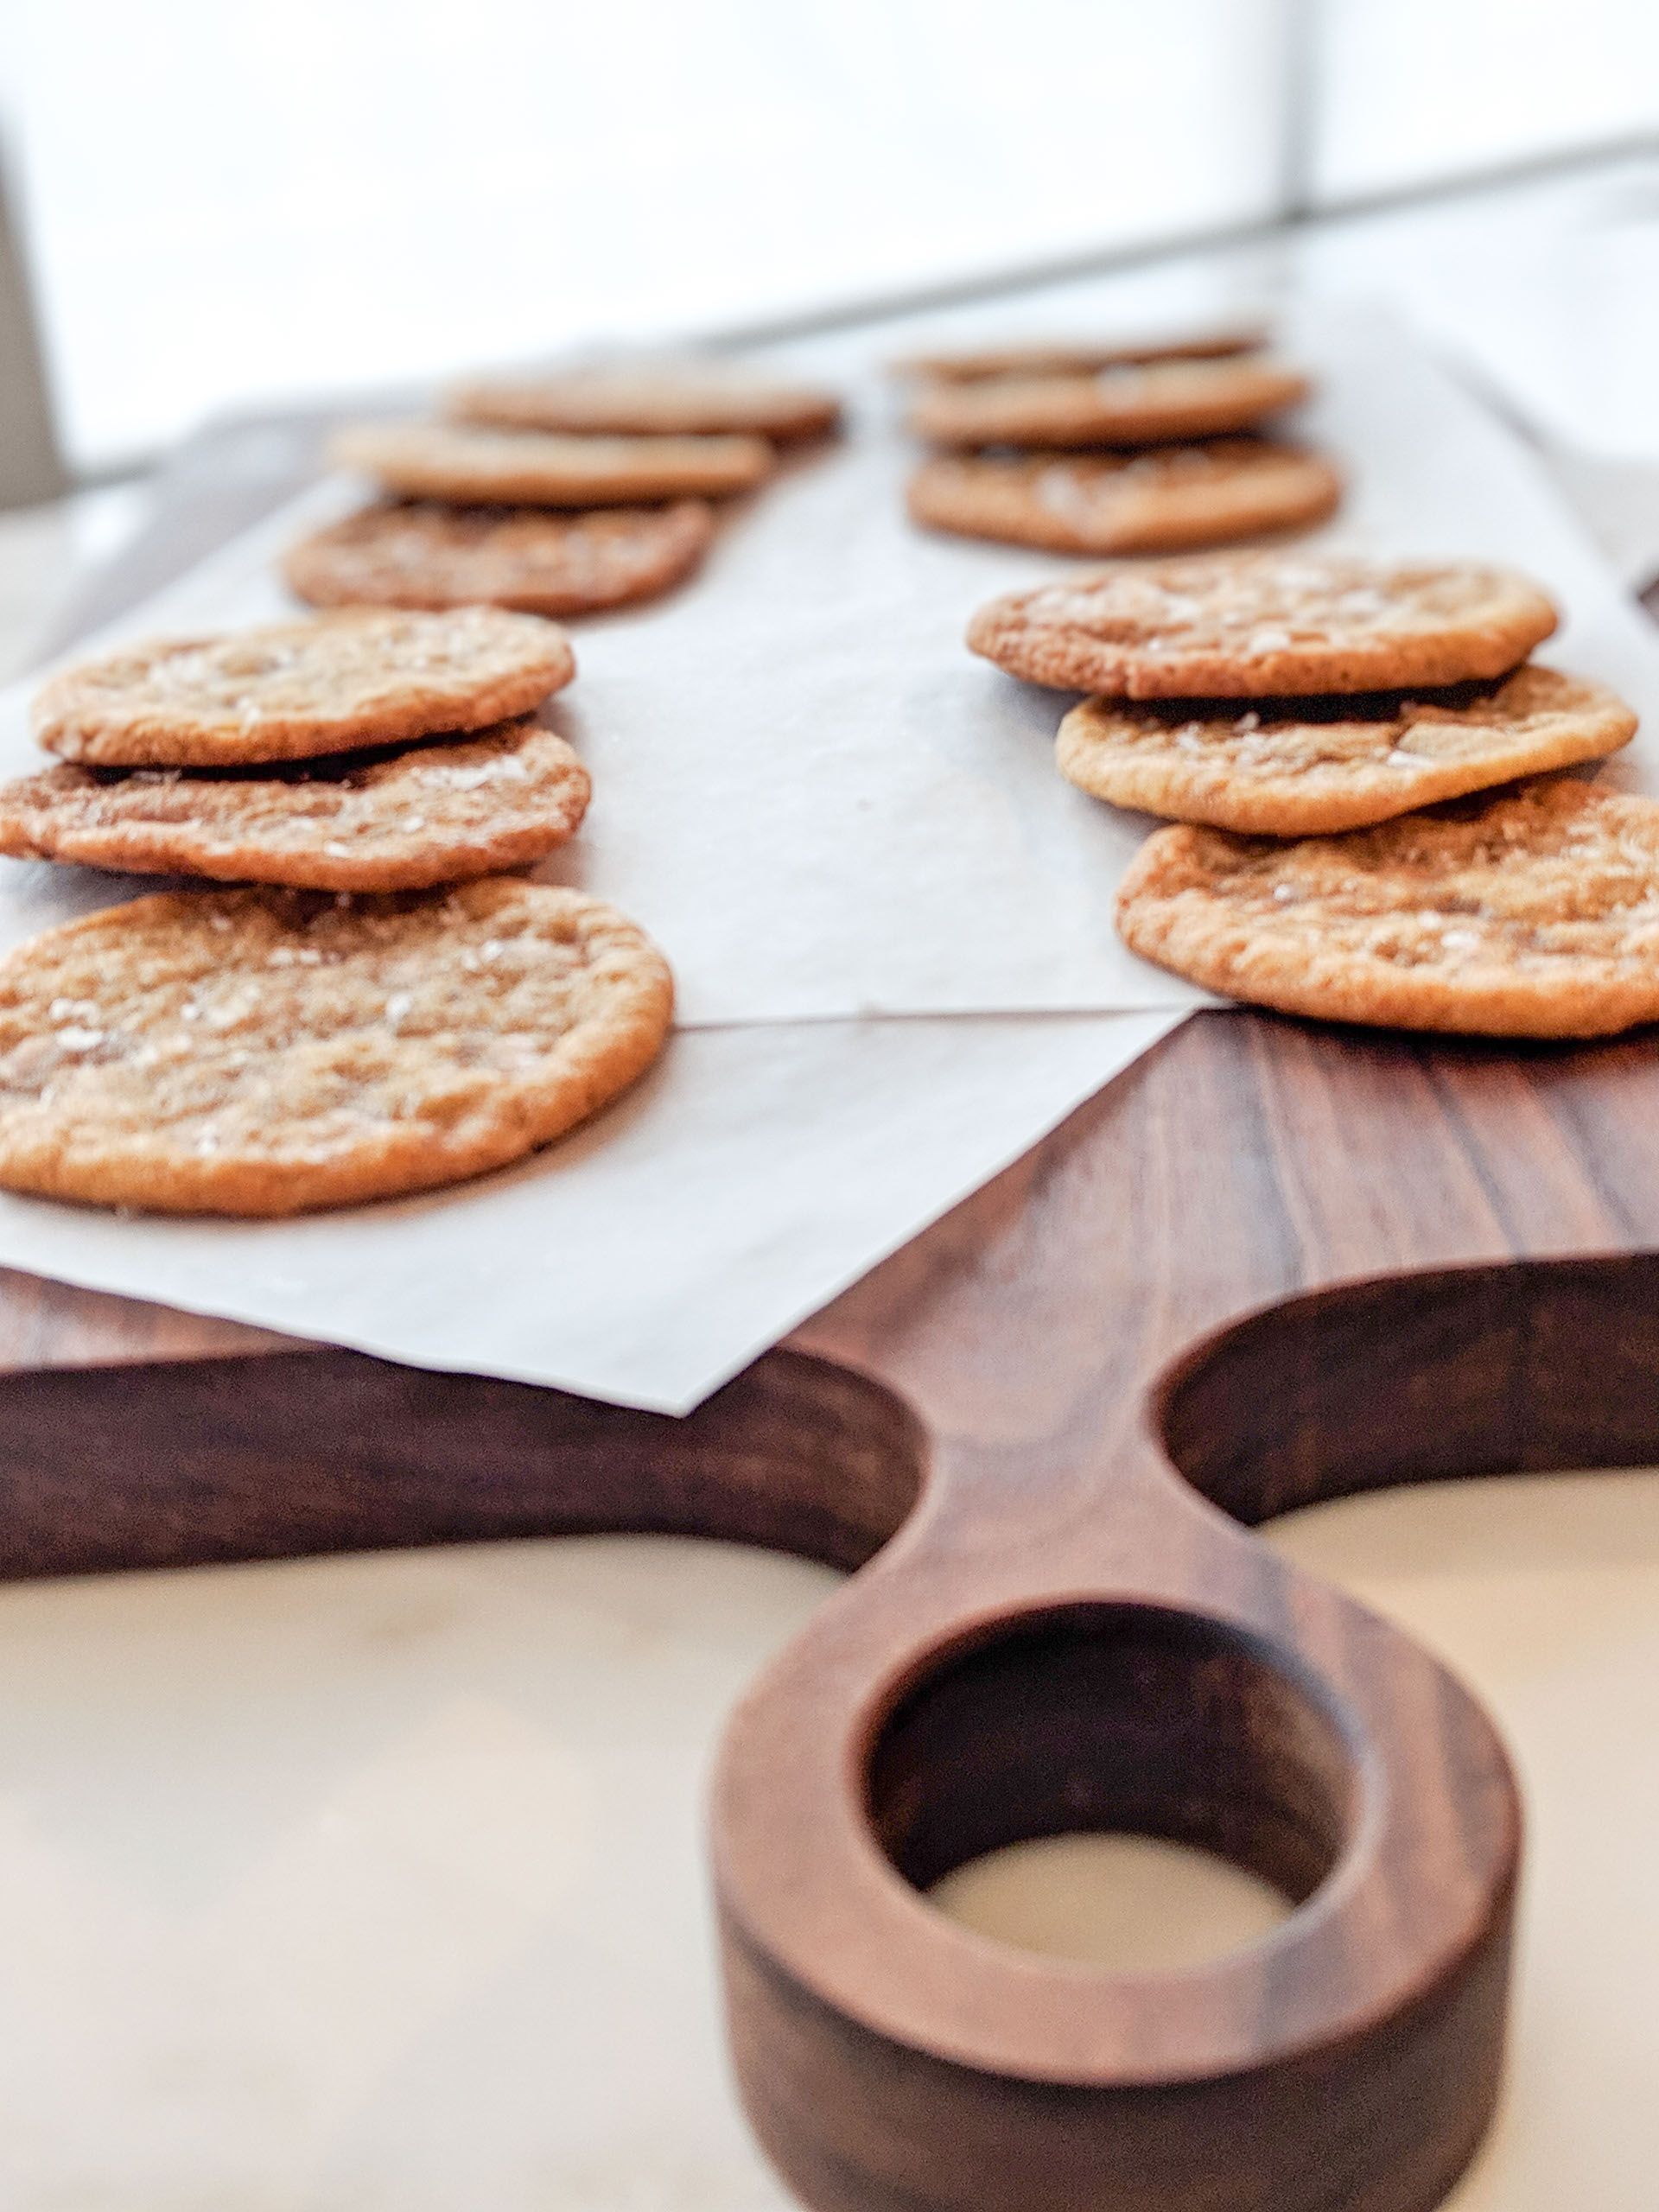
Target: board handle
x: 1116, y: 1654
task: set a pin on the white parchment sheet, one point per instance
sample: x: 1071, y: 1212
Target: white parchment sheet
x: 827, y: 812
x: 753, y: 1174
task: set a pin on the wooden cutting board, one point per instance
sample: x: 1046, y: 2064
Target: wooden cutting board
x: 1271, y: 1263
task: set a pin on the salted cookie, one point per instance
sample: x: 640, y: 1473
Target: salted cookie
x: 480, y: 467
x: 1082, y: 357
x: 269, y: 1052
x: 1523, y: 913
x: 1162, y: 500
x: 426, y: 554
x: 431, y: 813
x: 1133, y: 404
x: 663, y: 398
x: 1319, y: 764
x: 1248, y: 626
x: 293, y: 689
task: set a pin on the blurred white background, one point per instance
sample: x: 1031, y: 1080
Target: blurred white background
x: 227, y: 206
x: 239, y: 202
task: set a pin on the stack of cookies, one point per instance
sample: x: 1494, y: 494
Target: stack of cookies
x: 1293, y: 712
x: 559, y: 494
x: 1146, y: 447
x: 382, y: 1010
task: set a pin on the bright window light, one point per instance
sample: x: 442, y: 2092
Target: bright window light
x: 231, y: 204
x: 1413, y: 92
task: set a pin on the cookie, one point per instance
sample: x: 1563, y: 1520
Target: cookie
x: 1522, y: 913
x: 1160, y: 499
x: 293, y: 689
x: 402, y: 821
x: 1082, y: 357
x: 1248, y: 626
x: 1143, y: 402
x: 478, y: 468
x: 650, y: 398
x: 1298, y: 768
x: 425, y: 555
x: 269, y: 1052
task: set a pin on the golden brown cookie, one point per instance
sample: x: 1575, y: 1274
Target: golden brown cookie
x: 426, y: 554
x: 1248, y: 625
x: 292, y: 690
x: 480, y: 467
x: 1522, y: 913
x: 1082, y: 357
x: 269, y: 1052
x: 1135, y: 404
x: 1302, y: 767
x: 652, y: 398
x: 1160, y: 499
x: 403, y: 822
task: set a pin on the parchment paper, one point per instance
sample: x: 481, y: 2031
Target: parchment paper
x: 753, y: 1174
x: 822, y: 807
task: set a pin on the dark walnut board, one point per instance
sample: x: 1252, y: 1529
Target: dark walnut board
x: 1269, y: 1264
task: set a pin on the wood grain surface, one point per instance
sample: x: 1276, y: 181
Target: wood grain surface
x: 1090, y: 1377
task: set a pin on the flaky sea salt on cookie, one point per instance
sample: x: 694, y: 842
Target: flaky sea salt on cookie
x: 1261, y: 625
x: 293, y: 689
x: 475, y: 466
x: 423, y: 554
x: 268, y: 1053
x: 1143, y: 403
x: 1165, y: 499
x: 696, y: 397
x: 433, y: 814
x: 1295, y: 769
x: 1526, y: 913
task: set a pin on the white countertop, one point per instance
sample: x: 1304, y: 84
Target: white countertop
x: 377, y: 1885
